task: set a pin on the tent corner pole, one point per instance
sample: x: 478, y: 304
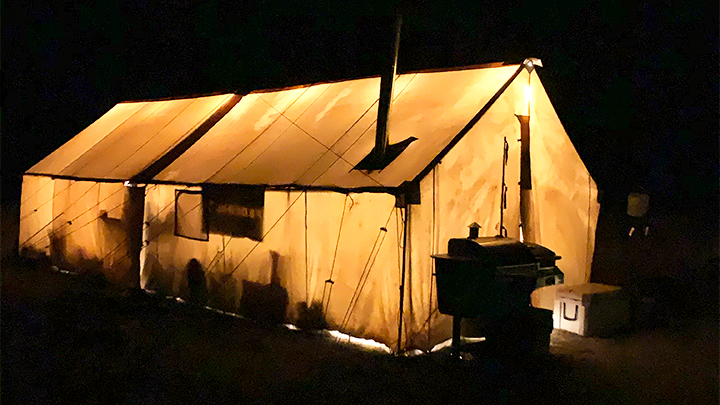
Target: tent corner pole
x: 406, y: 221
x: 135, y: 233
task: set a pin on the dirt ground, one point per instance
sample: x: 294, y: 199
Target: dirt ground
x: 69, y: 339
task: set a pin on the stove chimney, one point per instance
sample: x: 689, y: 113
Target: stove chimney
x: 383, y: 153
x: 387, y: 84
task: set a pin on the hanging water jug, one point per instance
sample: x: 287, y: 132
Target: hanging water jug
x: 637, y: 204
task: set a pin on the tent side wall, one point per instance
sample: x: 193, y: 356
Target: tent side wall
x: 81, y: 225
x: 36, y: 212
x: 246, y: 276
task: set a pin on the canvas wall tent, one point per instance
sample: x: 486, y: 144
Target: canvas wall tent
x: 328, y: 233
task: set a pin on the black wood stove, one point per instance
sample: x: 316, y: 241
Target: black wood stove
x: 490, y: 278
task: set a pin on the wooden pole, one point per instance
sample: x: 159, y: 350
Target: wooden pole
x: 135, y: 214
x: 406, y: 228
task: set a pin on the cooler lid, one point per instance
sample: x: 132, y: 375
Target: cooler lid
x: 581, y: 292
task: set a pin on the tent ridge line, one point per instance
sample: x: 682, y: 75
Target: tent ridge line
x: 275, y: 187
x: 291, y: 86
x: 76, y: 178
x: 93, y: 145
x: 152, y: 137
x: 343, y: 190
x: 489, y: 65
x: 181, y: 97
x: 474, y: 120
x: 272, y: 187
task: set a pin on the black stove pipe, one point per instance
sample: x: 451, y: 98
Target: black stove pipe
x: 387, y: 83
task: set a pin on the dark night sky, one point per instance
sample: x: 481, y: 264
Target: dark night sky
x: 635, y: 86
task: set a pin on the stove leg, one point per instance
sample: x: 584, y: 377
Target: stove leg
x: 455, y: 348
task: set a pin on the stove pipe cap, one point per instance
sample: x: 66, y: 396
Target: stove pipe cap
x: 474, y: 230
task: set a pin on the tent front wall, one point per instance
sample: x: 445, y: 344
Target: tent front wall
x: 565, y: 196
x: 462, y: 189
x: 465, y: 188
x: 309, y: 238
x: 79, y: 224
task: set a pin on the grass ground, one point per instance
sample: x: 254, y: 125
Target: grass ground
x: 66, y: 340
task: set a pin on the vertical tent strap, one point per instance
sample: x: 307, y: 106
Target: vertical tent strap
x: 223, y: 253
x: 406, y: 220
x: 588, y: 252
x: 307, y: 275
x: 503, y: 189
x: 433, y: 248
x: 432, y: 309
x: 135, y: 224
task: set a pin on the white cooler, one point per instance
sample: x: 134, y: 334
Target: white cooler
x: 590, y: 309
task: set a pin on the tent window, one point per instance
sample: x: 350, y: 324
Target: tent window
x: 234, y: 210
x: 190, y: 215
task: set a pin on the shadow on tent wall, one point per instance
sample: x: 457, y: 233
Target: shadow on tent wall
x: 266, y: 303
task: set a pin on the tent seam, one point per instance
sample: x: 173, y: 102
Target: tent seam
x: 108, y: 134
x: 153, y: 137
x: 194, y: 128
x: 282, y: 133
x: 474, y: 120
x: 256, y: 138
x: 359, y: 137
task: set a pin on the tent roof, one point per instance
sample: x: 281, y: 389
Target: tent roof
x: 129, y: 138
x: 308, y: 136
